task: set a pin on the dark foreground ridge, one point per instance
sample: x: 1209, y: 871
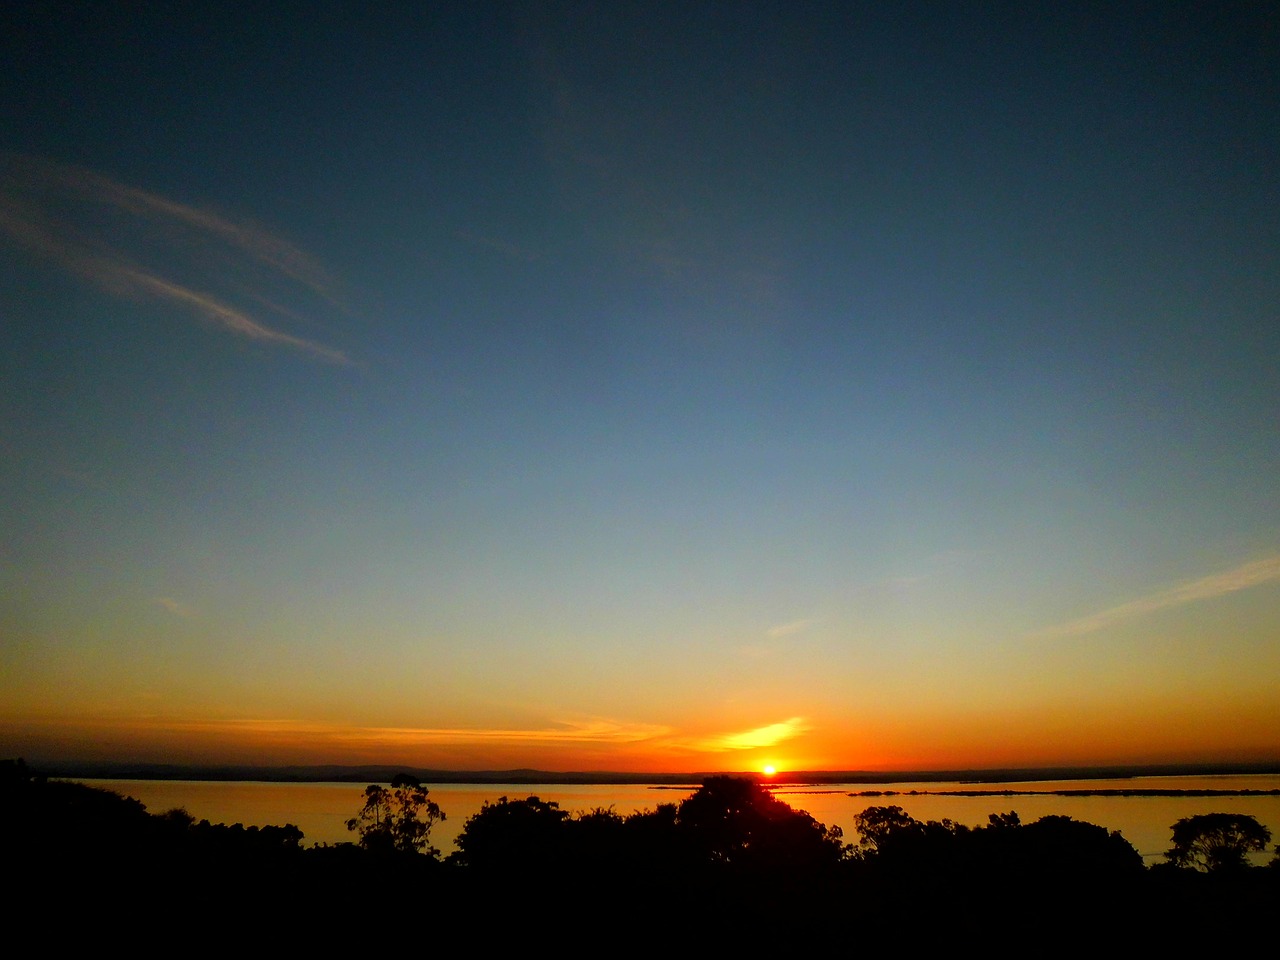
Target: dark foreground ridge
x: 730, y: 867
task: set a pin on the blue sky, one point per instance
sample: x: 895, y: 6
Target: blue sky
x: 587, y: 387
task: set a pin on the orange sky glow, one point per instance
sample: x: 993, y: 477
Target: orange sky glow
x: 675, y: 388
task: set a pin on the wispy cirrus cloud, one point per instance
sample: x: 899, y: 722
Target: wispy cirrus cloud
x: 789, y: 629
x: 220, y: 313
x: 755, y: 738
x: 176, y: 607
x: 776, y: 638
x: 1242, y: 577
x: 588, y: 730
x: 132, y: 243
x: 593, y: 730
x: 331, y: 739
x: 513, y: 251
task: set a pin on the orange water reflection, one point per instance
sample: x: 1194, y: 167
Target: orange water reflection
x: 321, y: 809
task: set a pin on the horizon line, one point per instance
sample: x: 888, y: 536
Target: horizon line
x: 335, y: 772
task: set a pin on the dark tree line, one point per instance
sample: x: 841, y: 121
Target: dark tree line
x: 729, y: 824
x: 731, y: 862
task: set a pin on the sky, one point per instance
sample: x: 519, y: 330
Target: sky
x: 640, y: 387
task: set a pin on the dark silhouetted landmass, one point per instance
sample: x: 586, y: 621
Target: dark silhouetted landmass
x: 730, y: 867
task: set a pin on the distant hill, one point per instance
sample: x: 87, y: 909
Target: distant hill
x: 108, y: 770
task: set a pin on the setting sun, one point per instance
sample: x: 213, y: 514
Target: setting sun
x: 602, y: 468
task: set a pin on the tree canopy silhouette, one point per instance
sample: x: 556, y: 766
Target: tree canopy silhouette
x: 1216, y: 842
x: 736, y: 821
x: 880, y: 828
x: 728, y: 821
x: 397, y: 819
x: 1053, y: 847
x: 518, y: 834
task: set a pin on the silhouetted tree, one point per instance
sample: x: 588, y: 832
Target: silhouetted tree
x: 736, y: 821
x: 598, y: 838
x: 1076, y: 850
x: 397, y: 819
x: 880, y: 827
x: 1216, y: 841
x: 514, y: 834
x: 653, y: 841
x: 1003, y: 821
x: 917, y: 854
x: 944, y: 858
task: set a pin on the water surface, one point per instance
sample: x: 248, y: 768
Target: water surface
x: 321, y: 810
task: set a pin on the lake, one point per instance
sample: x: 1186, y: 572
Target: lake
x: 321, y: 810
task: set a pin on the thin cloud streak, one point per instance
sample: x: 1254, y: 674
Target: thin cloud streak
x: 256, y: 243
x: 60, y: 241
x: 1206, y: 588
x: 177, y: 608
x: 228, y: 317
x: 594, y: 730
x: 789, y: 629
x: 511, y: 250
x: 766, y: 736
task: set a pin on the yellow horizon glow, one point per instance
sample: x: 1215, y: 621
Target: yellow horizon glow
x: 886, y: 743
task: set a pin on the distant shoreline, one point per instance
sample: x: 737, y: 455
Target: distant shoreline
x: 1138, y: 792
x: 383, y: 774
